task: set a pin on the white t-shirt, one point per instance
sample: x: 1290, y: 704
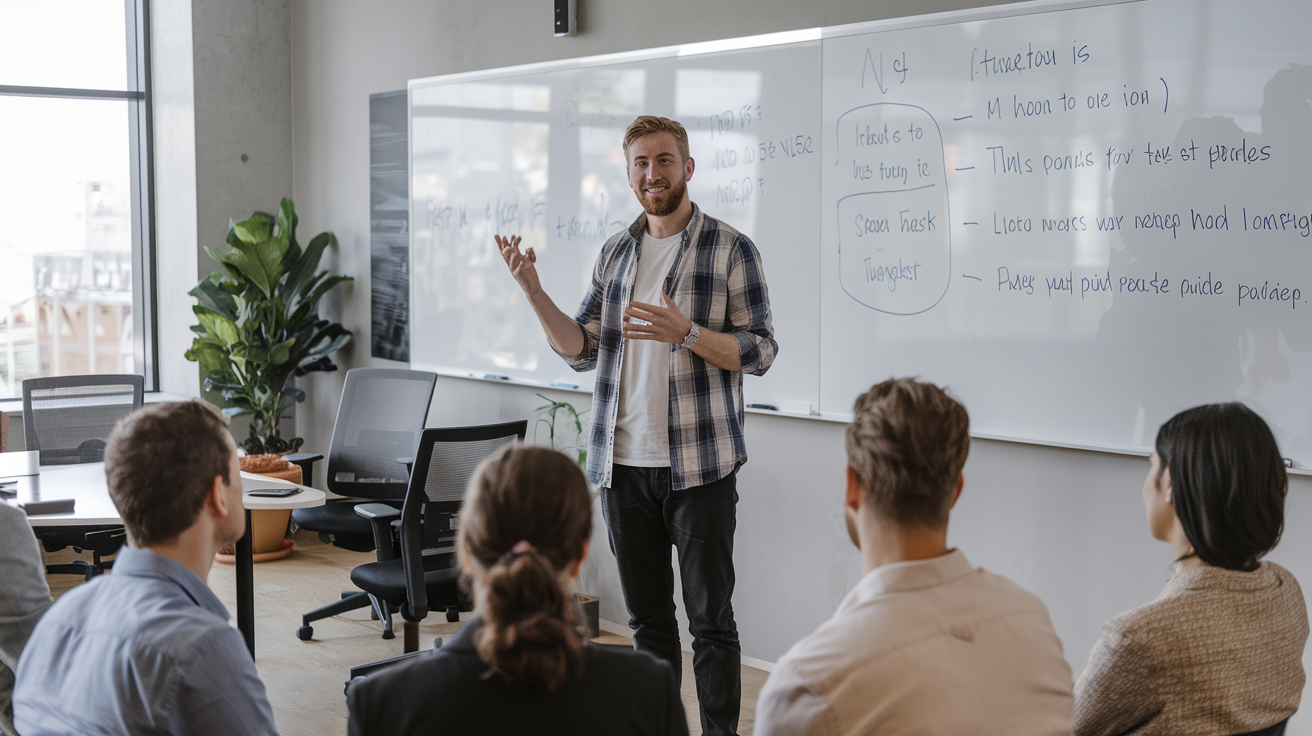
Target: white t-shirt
x: 642, y: 425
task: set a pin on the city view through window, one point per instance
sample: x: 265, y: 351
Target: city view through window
x: 69, y: 112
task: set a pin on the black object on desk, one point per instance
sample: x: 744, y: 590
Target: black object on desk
x: 41, y: 508
x: 273, y: 492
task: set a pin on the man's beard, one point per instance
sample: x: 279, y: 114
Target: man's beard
x: 665, y: 204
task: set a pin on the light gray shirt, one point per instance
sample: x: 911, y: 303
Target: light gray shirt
x: 144, y: 650
x: 24, y: 596
x: 926, y: 647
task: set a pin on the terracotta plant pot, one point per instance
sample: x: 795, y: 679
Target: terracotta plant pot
x: 268, y: 527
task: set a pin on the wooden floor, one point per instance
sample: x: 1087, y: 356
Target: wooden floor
x: 304, y: 680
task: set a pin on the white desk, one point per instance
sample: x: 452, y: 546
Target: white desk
x: 86, y: 484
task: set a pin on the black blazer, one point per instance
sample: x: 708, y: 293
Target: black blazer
x: 620, y: 692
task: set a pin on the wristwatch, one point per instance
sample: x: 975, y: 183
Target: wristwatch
x: 693, y: 333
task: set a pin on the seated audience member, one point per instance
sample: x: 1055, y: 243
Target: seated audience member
x: 522, y: 665
x: 1220, y: 651
x: 24, y: 596
x: 924, y: 643
x: 147, y: 649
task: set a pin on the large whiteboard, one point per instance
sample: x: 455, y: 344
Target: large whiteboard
x: 539, y: 153
x: 1038, y: 206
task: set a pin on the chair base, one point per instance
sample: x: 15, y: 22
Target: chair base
x: 364, y: 670
x: 351, y: 600
x: 76, y: 567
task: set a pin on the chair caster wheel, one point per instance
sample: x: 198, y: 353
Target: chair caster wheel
x: 452, y: 615
x: 305, y: 633
x: 389, y: 634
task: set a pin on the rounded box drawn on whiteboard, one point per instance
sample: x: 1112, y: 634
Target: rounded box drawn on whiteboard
x: 894, y: 234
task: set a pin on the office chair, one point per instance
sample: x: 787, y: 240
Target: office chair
x: 1276, y: 730
x: 379, y: 419
x: 67, y: 419
x: 427, y: 574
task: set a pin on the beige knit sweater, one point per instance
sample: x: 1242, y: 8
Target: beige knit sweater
x: 1219, y: 652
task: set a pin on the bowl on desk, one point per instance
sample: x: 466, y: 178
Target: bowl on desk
x: 268, y: 526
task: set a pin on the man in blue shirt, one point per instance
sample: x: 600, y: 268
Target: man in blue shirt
x: 148, y: 649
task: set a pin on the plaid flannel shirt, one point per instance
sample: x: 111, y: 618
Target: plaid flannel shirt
x: 717, y: 282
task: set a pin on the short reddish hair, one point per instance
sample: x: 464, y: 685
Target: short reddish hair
x: 647, y: 125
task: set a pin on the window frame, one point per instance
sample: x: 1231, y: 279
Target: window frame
x: 141, y: 178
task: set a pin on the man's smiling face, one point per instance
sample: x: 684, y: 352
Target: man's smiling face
x: 658, y: 174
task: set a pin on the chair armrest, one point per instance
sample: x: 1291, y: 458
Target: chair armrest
x: 408, y: 462
x: 373, y: 511
x: 306, y: 462
x: 381, y: 518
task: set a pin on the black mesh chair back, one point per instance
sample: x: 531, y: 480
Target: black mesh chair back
x: 430, y: 518
x: 68, y: 418
x: 378, y: 423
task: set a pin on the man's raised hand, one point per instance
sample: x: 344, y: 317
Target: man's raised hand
x: 521, y: 264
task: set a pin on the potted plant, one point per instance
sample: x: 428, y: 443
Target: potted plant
x: 259, y: 327
x: 571, y: 420
x: 259, y: 323
x: 563, y: 413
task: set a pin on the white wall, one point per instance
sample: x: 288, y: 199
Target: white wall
x: 1066, y: 524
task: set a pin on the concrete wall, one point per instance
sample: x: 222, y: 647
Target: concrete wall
x: 222, y: 81
x: 1066, y: 524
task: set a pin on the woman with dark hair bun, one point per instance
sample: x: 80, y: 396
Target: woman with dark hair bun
x: 1220, y: 651
x: 522, y: 664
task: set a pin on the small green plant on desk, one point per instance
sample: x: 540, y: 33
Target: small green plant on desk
x: 562, y: 413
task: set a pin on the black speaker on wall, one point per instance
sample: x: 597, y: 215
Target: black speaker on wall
x: 566, y: 17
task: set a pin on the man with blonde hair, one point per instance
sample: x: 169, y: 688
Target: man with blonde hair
x: 925, y: 643
x: 677, y: 311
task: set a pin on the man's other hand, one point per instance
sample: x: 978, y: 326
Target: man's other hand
x: 666, y: 324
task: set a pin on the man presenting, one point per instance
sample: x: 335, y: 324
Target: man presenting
x: 678, y: 310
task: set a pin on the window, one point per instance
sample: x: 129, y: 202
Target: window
x: 75, y: 204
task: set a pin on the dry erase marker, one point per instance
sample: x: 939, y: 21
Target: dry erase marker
x: 495, y: 377
x: 768, y: 407
x: 562, y: 384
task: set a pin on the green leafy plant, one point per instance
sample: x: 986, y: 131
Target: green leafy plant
x: 260, y: 325
x: 562, y: 412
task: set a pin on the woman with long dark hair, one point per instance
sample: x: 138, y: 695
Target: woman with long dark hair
x: 522, y: 665
x: 1220, y: 651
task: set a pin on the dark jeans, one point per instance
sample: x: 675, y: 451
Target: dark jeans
x: 645, y: 516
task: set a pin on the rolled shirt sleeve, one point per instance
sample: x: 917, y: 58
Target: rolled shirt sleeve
x: 588, y: 317
x: 749, y: 309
